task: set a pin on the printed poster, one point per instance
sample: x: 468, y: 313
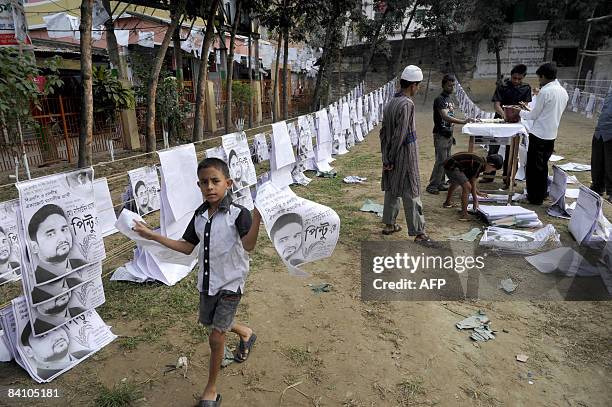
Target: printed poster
x: 10, y: 249
x: 241, y: 168
x: 145, y: 188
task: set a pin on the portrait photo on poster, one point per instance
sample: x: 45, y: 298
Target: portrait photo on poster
x: 56, y: 288
x: 146, y: 189
x: 60, y: 225
x: 49, y: 355
x: 10, y: 250
x: 241, y: 167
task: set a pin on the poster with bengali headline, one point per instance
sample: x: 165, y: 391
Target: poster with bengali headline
x: 301, y: 231
x: 241, y: 167
x: 60, y: 225
x: 10, y: 249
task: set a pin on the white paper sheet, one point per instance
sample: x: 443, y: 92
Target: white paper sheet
x: 575, y: 167
x: 282, y: 151
x: 104, y: 207
x: 184, y: 197
x: 583, y: 223
x: 261, y: 150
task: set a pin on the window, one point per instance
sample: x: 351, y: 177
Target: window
x: 565, y: 56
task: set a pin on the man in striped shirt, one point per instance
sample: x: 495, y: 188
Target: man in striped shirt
x: 463, y: 169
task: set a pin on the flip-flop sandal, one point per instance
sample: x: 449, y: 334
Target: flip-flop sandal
x: 464, y: 220
x: 244, y: 349
x: 422, y: 238
x: 396, y: 228
x: 453, y: 205
x: 210, y: 403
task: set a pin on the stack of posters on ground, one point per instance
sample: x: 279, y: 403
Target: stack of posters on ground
x: 145, y: 189
x: 509, y: 216
x: 10, y: 248
x: 61, y: 265
x: 519, y: 241
x: 301, y: 231
x: 47, y: 356
x: 180, y: 197
x: 588, y: 224
x: 241, y: 167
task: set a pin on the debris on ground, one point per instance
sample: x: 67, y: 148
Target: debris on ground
x: 371, y: 206
x: 522, y: 358
x: 327, y: 174
x: 480, y: 325
x: 508, y: 285
x: 228, y: 357
x: 320, y: 288
x: 468, y: 236
x: 354, y: 179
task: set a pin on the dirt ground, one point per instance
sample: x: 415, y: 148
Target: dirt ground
x: 333, y: 349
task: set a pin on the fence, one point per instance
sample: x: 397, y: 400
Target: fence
x: 53, y: 135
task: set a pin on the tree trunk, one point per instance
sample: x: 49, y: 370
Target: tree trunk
x: 370, y: 55
x: 322, y: 65
x: 111, y: 42
x: 86, y: 118
x: 178, y: 58
x: 230, y: 69
x: 285, y: 95
x: 250, y: 66
x: 157, y: 66
x: 498, y: 62
x: 198, y: 124
x: 275, y: 86
x: 404, y: 33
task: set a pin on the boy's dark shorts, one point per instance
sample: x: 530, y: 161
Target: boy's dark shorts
x: 218, y: 311
x: 456, y: 176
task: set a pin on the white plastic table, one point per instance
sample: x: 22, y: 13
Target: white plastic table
x: 498, y: 134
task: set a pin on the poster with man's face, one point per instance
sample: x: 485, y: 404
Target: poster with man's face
x: 301, y: 231
x: 46, y: 357
x: 145, y: 188
x: 241, y: 168
x: 10, y: 250
x: 60, y: 225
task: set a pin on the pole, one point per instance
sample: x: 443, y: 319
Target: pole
x: 68, y: 153
x: 586, y: 41
x: 250, y: 84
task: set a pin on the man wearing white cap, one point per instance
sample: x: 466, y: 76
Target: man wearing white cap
x: 400, y: 155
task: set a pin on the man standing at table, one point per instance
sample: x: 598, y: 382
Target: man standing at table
x: 511, y: 92
x: 400, y: 157
x: 546, y: 115
x: 444, y: 121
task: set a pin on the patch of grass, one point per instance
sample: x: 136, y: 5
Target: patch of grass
x: 122, y: 395
x: 298, y: 356
x: 410, y: 388
x: 199, y: 333
x: 129, y: 342
x: 152, y: 333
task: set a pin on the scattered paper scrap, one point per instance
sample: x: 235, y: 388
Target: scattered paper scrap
x: 522, y: 358
x: 371, y: 206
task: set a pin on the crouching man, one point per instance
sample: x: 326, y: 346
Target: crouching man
x: 463, y: 169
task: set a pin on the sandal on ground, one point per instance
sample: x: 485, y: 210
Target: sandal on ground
x: 210, y: 403
x: 422, y: 238
x: 452, y: 205
x: 244, y: 349
x: 396, y: 228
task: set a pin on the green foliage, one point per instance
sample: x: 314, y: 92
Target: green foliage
x: 18, y: 91
x: 109, y: 94
x: 169, y: 105
x: 242, y: 95
x: 122, y: 395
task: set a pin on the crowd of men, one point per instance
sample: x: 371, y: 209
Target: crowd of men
x: 399, y: 145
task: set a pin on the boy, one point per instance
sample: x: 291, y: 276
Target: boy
x: 463, y: 169
x: 225, y: 232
